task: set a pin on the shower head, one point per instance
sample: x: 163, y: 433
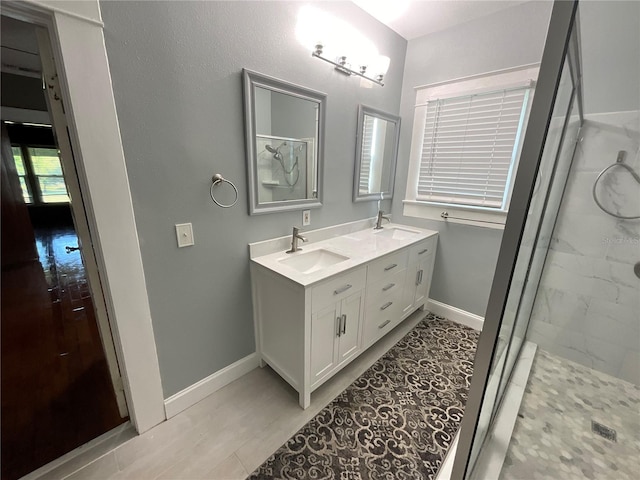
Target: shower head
x: 273, y: 149
x: 276, y: 151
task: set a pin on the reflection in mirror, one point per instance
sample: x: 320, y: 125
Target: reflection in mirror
x: 284, y: 126
x: 377, y: 148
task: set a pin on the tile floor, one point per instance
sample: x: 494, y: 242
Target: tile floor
x: 230, y: 433
x: 552, y: 438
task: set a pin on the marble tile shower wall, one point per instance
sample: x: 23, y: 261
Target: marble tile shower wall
x: 587, y: 308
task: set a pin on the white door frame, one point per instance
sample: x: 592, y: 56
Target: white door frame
x: 60, y: 127
x: 77, y: 39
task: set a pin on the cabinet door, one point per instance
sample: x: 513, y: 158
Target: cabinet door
x: 324, y: 332
x: 423, y: 281
x: 409, y: 292
x: 351, y: 314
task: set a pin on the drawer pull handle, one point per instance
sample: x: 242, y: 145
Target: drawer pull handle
x: 342, y: 289
x: 386, y: 305
x: 387, y: 322
x: 339, y: 321
x: 423, y: 251
x: 391, y: 285
x: 344, y: 324
x: 394, y: 265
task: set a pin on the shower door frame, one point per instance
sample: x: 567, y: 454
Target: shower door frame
x: 575, y: 100
x: 559, y: 35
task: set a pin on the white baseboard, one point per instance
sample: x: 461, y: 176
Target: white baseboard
x: 446, y: 469
x: 205, y: 387
x: 455, y: 314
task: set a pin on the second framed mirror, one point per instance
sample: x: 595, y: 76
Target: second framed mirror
x: 376, y: 152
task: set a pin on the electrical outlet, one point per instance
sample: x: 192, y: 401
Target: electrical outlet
x: 184, y: 233
x: 306, y: 218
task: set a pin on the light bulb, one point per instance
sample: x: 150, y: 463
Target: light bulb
x: 308, y: 30
x: 380, y: 65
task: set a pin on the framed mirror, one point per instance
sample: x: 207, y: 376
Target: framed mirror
x: 284, y: 133
x: 376, y: 152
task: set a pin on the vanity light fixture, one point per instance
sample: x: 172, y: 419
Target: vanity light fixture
x: 381, y: 65
x: 337, y: 42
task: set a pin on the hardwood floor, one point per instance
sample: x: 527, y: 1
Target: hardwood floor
x: 56, y: 389
x: 231, y: 432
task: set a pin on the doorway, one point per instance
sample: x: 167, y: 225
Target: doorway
x: 61, y: 385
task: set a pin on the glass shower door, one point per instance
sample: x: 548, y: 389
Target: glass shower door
x: 516, y: 279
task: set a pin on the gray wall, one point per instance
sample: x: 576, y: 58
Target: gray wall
x: 292, y: 116
x: 176, y: 71
x: 610, y: 39
x: 467, y: 255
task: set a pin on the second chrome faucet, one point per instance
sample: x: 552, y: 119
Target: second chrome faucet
x: 294, y: 240
x: 381, y: 216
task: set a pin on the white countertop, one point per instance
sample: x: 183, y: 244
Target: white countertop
x: 359, y: 247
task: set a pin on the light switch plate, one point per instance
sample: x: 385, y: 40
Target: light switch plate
x: 306, y: 218
x: 184, y: 234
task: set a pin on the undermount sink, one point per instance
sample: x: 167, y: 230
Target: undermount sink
x: 397, y: 233
x: 309, y: 262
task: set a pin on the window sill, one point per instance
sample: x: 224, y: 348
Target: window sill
x: 465, y: 216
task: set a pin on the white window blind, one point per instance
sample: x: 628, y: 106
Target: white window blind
x: 367, y: 153
x: 469, y: 147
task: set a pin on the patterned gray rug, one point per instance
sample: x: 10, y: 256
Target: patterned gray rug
x: 396, y: 421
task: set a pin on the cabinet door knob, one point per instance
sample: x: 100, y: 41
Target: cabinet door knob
x: 344, y: 324
x: 393, y: 265
x: 386, y: 305
x: 418, y: 277
x: 420, y: 272
x: 342, y: 289
x: 391, y: 285
x: 384, y: 324
x: 339, y: 321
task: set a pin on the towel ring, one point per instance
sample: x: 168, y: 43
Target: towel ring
x: 217, y: 179
x: 619, y: 163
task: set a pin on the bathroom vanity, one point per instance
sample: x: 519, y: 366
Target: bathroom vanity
x: 317, y: 309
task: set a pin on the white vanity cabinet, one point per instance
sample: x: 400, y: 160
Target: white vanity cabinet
x: 310, y: 324
x: 385, y: 289
x: 418, y: 275
x: 307, y: 334
x: 336, y: 324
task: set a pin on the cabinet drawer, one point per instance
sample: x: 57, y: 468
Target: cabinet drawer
x: 386, y: 287
x: 381, y: 317
x: 387, y: 266
x: 337, y: 288
x: 422, y: 250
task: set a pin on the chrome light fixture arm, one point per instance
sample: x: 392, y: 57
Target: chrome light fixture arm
x: 342, y: 66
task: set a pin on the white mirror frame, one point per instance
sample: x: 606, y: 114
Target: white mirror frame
x: 387, y: 190
x: 251, y: 80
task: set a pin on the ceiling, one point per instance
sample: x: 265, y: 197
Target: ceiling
x: 415, y: 18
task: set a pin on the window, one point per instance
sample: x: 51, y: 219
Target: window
x: 465, y: 148
x: 40, y: 174
x: 22, y: 174
x: 368, y: 153
x: 48, y: 175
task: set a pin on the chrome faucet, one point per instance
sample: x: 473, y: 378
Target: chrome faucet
x: 381, y: 215
x: 294, y: 240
